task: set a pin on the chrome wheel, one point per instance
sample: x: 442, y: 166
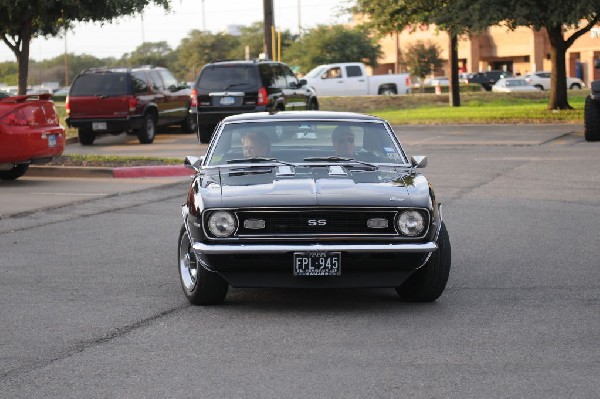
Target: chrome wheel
x: 188, y: 265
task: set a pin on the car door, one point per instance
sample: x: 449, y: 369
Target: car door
x: 296, y: 95
x: 331, y: 82
x: 355, y: 83
x: 158, y: 89
x: 176, y: 97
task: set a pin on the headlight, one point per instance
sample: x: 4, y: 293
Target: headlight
x: 411, y: 223
x: 221, y: 224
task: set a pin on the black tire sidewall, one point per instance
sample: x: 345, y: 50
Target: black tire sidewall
x: 17, y: 171
x: 591, y: 119
x: 144, y: 135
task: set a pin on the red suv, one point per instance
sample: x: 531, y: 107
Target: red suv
x: 113, y: 100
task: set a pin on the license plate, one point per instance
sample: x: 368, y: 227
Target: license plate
x: 227, y: 101
x: 98, y: 125
x: 51, y: 140
x: 317, y: 264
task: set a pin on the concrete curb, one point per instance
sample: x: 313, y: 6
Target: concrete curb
x: 116, y: 172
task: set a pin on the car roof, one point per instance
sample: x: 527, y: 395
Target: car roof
x: 243, y: 62
x: 303, y: 115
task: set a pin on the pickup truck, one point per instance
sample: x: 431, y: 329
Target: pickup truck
x: 350, y: 79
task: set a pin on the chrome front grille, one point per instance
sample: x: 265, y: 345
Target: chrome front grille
x: 314, y: 222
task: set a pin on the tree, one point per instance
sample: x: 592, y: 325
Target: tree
x: 150, y: 53
x: 22, y: 20
x: 253, y: 37
x: 327, y: 44
x: 556, y: 16
x: 200, y: 48
x: 422, y: 59
x: 456, y: 17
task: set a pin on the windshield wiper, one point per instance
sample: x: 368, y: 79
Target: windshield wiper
x: 340, y: 159
x: 259, y: 160
x: 234, y: 85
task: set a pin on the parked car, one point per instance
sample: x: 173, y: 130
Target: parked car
x: 591, y: 110
x: 488, y: 78
x: 512, y: 85
x: 225, y: 88
x: 61, y: 94
x: 114, y: 100
x: 29, y: 133
x: 542, y: 80
x: 351, y: 79
x: 333, y: 201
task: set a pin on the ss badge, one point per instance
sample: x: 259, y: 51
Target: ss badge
x: 317, y: 222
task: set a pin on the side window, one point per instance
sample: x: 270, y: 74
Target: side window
x: 279, y: 77
x: 353, y: 71
x: 168, y: 79
x: 290, y: 78
x: 266, y: 72
x: 157, y: 83
x: 139, y: 82
x: 332, y: 73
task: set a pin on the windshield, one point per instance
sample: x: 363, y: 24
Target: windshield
x: 228, y: 77
x: 311, y: 142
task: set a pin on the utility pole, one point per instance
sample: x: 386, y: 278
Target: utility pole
x: 269, y: 23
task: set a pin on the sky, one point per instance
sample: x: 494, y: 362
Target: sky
x: 125, y: 34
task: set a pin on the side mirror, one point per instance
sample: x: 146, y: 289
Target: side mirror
x: 418, y: 161
x: 193, y: 162
x: 302, y: 82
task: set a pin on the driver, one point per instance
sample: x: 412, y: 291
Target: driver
x: 343, y: 142
x: 256, y: 144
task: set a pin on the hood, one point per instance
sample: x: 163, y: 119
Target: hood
x: 315, y: 187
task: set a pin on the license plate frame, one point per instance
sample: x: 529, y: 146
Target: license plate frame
x: 317, y: 263
x: 98, y: 126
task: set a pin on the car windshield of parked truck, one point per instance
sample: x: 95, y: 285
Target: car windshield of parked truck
x: 228, y: 77
x: 101, y: 84
x: 305, y: 142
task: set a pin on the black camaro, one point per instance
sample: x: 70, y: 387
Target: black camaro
x: 310, y: 199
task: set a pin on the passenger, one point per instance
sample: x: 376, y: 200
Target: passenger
x: 256, y: 144
x: 343, y: 142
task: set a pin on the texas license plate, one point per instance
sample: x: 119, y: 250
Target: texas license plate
x: 317, y: 264
x: 99, y: 126
x: 51, y: 140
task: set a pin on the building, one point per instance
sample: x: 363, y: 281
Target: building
x: 519, y: 51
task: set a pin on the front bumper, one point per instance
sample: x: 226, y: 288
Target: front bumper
x: 221, y: 249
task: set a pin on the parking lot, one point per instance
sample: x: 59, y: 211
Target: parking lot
x: 91, y: 304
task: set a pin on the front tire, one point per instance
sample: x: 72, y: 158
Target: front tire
x: 428, y: 283
x: 17, y: 171
x: 147, y: 132
x: 200, y: 286
x: 86, y: 136
x: 591, y: 119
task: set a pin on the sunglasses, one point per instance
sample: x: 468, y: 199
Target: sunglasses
x: 348, y: 139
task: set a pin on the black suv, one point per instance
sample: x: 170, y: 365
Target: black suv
x: 225, y: 88
x: 488, y: 78
x: 113, y: 100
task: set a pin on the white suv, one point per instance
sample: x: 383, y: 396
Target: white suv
x: 541, y: 80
